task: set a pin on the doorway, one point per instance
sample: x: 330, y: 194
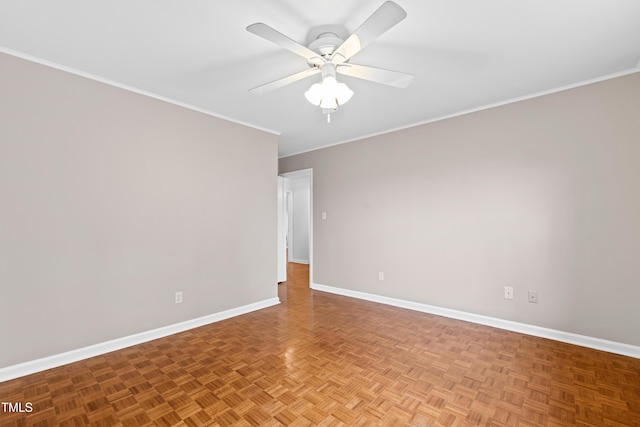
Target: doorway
x: 295, y: 221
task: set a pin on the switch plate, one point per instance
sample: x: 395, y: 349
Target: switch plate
x: 381, y: 276
x: 178, y: 297
x: 324, y: 215
x: 508, y: 292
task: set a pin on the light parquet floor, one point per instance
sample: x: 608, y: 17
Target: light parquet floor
x: 322, y: 359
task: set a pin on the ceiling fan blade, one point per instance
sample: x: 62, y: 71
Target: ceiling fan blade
x: 387, y: 15
x: 274, y: 36
x: 277, y: 84
x: 378, y: 75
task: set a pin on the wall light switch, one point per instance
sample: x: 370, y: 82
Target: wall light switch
x: 324, y: 215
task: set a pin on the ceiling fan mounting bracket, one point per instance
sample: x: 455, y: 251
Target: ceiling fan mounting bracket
x: 326, y: 43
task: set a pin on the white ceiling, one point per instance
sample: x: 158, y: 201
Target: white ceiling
x: 465, y: 54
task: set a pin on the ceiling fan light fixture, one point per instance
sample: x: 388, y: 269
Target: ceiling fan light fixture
x: 343, y: 93
x: 328, y: 94
x: 329, y: 104
x: 314, y: 94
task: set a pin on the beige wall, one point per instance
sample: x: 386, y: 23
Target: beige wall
x: 111, y: 201
x: 542, y: 194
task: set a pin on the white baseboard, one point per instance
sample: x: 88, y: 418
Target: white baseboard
x: 523, y: 328
x: 56, y: 360
x: 299, y: 261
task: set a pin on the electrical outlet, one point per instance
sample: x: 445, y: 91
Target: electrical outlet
x: 178, y: 297
x: 381, y: 276
x: 508, y: 292
x: 533, y: 297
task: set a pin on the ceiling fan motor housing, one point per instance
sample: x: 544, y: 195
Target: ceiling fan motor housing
x: 326, y: 43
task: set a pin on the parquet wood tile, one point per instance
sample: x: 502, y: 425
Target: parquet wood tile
x: 324, y: 360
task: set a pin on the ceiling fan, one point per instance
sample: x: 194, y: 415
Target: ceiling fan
x: 329, y: 54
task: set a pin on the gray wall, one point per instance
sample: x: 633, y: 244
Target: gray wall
x: 542, y: 194
x: 111, y: 201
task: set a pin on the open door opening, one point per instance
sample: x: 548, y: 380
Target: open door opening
x: 282, y: 232
x: 295, y: 221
